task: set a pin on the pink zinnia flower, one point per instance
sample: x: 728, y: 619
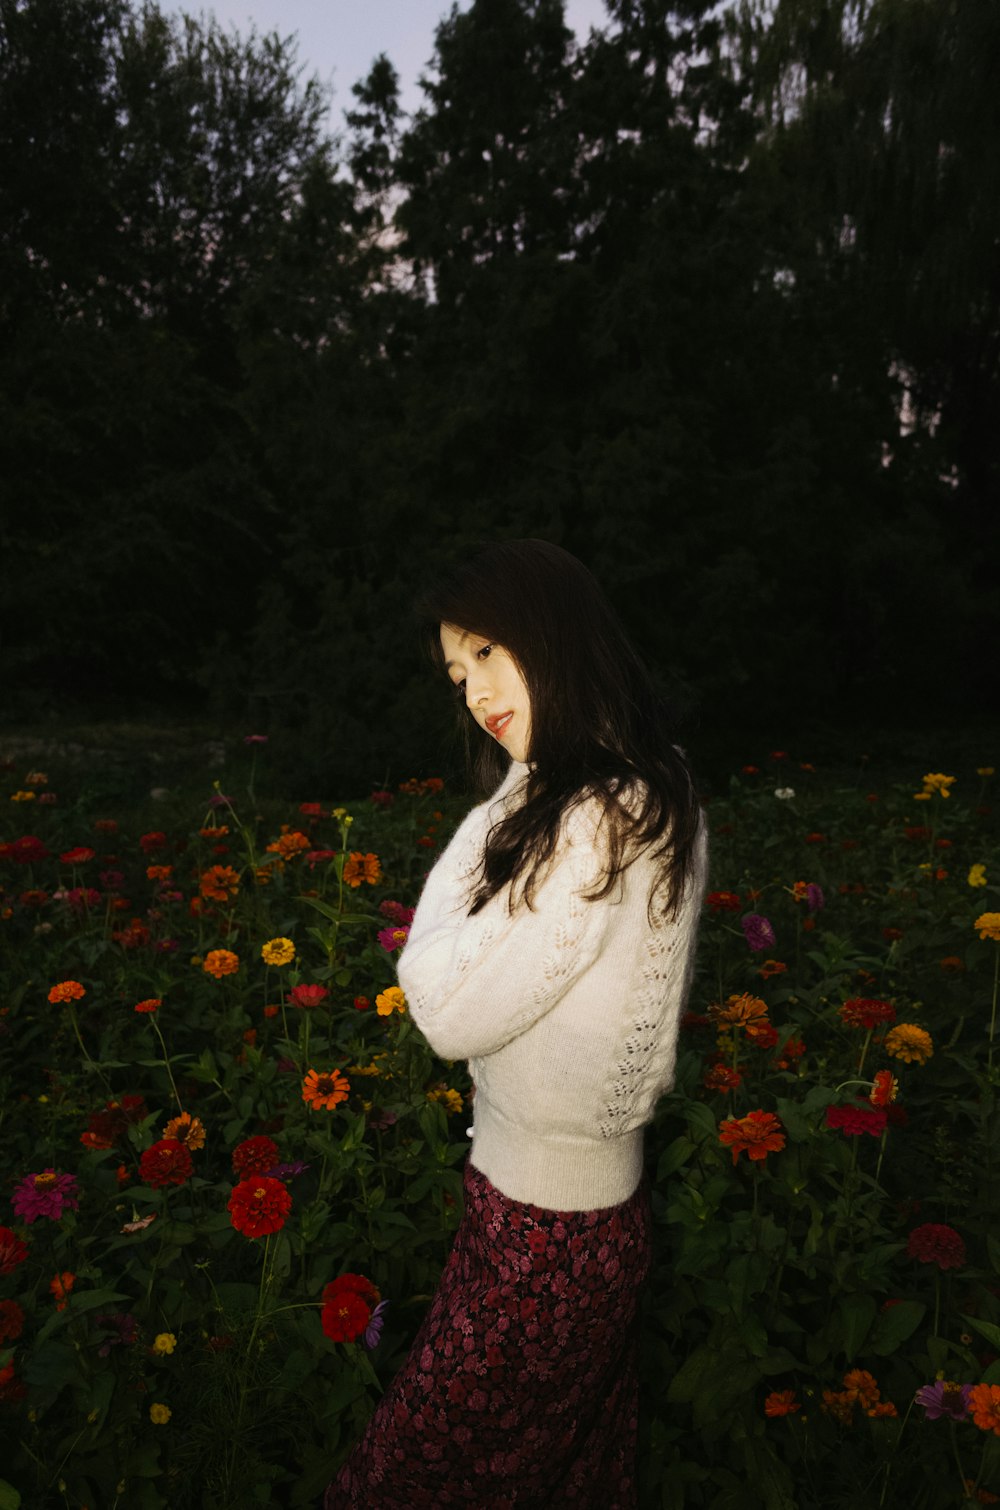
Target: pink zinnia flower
x: 393, y: 938
x: 47, y: 1194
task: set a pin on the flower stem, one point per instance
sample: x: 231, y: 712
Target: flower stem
x: 166, y: 1061
x: 993, y: 1015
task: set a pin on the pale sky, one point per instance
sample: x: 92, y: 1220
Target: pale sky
x: 340, y: 39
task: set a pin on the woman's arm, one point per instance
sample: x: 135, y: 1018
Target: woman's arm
x: 474, y: 983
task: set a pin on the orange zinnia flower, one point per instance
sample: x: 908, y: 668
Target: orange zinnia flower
x: 220, y: 962
x: 840, y: 1405
x: 885, y: 1089
x: 860, y: 1385
x: 771, y: 967
x: 739, y: 1010
x: 290, y: 843
x: 359, y: 867
x: 984, y: 1407
x: 757, y: 1134
x: 60, y: 1285
x: 325, y: 1089
x: 186, y: 1129
x: 908, y: 1042
x: 781, y: 1402
x: 67, y: 990
x: 159, y: 872
x: 219, y: 883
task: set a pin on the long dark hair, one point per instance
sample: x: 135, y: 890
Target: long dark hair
x: 598, y: 725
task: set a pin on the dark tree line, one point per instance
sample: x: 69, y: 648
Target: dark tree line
x: 710, y: 298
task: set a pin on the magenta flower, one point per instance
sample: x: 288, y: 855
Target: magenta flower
x: 287, y: 1171
x: 47, y: 1194
x: 255, y: 739
x: 376, y: 1322
x: 758, y: 932
x: 814, y: 897
x: 944, y: 1399
x: 393, y: 938
x: 857, y: 1119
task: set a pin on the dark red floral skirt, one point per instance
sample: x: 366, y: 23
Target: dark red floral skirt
x: 521, y: 1388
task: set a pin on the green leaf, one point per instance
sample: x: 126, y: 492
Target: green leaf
x: 855, y: 1314
x: 673, y: 1158
x: 9, y: 1497
x: 894, y: 1326
x: 339, y: 917
x: 985, y: 1329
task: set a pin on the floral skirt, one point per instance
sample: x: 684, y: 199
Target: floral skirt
x: 521, y: 1388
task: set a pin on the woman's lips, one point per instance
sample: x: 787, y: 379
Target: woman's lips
x: 497, y: 724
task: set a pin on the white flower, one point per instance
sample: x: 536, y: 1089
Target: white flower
x: 784, y: 792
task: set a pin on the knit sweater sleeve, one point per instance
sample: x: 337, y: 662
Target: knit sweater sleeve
x: 475, y: 983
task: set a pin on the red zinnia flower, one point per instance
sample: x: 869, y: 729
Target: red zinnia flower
x: 308, y: 996
x: 259, y: 1205
x: 347, y: 1307
x: 167, y: 1162
x: 149, y: 1005
x: 934, y: 1243
x: 855, y: 1120
x: 11, y: 1321
x: 721, y: 1078
x: 255, y: 1156
x: 723, y: 901
x: 78, y: 856
x: 150, y: 842
x: 860, y: 1012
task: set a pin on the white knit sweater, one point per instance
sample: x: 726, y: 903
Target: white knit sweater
x: 567, y: 1013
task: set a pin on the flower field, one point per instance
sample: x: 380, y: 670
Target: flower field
x: 232, y: 1167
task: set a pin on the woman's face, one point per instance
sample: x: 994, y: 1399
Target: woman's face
x: 494, y: 690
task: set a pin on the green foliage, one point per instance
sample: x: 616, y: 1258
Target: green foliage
x: 785, y: 1280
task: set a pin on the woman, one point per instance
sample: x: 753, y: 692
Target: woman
x: 553, y: 949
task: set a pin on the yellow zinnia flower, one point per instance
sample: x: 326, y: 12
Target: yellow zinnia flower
x: 977, y: 875
x: 163, y: 1344
x: 908, y: 1042
x: 159, y: 1414
x: 922, y: 796
x: 984, y: 770
x: 279, y: 951
x: 988, y: 924
x: 936, y: 782
x: 389, y: 1001
x: 450, y: 1099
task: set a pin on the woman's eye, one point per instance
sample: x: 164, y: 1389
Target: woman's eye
x: 484, y: 653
